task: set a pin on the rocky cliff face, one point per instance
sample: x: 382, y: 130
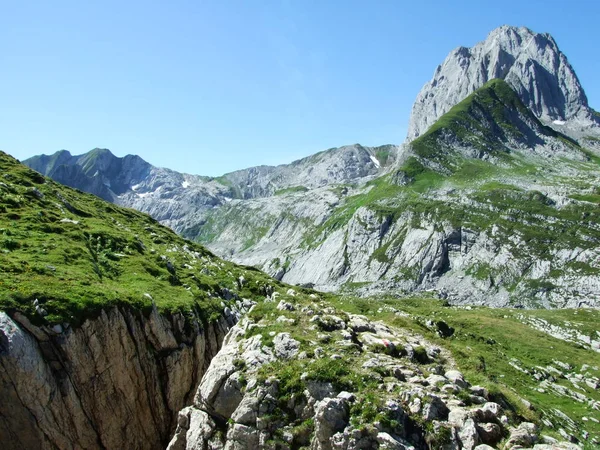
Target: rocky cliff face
x: 117, y: 381
x: 473, y: 212
x: 531, y: 63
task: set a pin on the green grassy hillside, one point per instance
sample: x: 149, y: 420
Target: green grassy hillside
x: 75, y: 254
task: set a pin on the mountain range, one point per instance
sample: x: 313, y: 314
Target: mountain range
x: 119, y: 329
x: 483, y: 203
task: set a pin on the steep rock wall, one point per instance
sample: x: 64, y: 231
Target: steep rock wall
x: 117, y: 381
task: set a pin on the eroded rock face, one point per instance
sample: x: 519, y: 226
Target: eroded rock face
x: 530, y: 62
x: 117, y: 381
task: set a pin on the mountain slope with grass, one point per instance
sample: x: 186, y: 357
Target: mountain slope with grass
x: 493, y: 201
x: 111, y: 325
x: 321, y: 371
x: 489, y: 206
x: 107, y: 318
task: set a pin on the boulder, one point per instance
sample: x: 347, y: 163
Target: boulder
x: 489, y: 433
x: 331, y: 417
x: 456, y: 377
x: 468, y: 435
x: 435, y: 409
x: 525, y: 435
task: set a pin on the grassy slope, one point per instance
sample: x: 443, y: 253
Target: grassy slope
x: 486, y: 341
x: 485, y: 120
x: 486, y: 344
x: 76, y: 253
x: 113, y: 256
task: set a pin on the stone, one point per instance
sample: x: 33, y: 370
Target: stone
x: 348, y: 396
x: 331, y: 416
x: 319, y: 390
x: 479, y: 391
x: 285, y: 346
x: 525, y: 435
x: 435, y: 380
x: 489, y: 433
x: 489, y: 412
x: 468, y: 435
x: 387, y: 442
x: 360, y: 324
x: 457, y: 416
x: 435, y: 409
x: 285, y: 306
x: 456, y: 377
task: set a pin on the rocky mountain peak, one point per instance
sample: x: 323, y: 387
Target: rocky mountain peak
x: 531, y: 63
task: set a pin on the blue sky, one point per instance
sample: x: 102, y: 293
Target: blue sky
x: 208, y: 87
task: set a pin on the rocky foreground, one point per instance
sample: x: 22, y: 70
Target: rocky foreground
x: 341, y: 381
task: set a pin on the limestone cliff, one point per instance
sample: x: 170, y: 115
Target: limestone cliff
x: 117, y: 381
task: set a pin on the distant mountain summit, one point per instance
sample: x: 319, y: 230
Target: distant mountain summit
x: 531, y: 63
x: 98, y: 171
x: 181, y: 201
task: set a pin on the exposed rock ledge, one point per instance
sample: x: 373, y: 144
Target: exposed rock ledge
x: 117, y: 381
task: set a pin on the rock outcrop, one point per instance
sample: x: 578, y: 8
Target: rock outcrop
x: 357, y: 384
x: 531, y: 63
x: 116, y: 381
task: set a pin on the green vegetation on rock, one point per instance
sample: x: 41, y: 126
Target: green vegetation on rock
x: 291, y: 190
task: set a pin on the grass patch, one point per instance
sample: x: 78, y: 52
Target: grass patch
x: 291, y: 190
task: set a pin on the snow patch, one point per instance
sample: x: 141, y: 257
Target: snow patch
x: 185, y: 184
x: 227, y: 199
x: 135, y: 187
x: 375, y: 161
x: 559, y: 122
x: 145, y: 194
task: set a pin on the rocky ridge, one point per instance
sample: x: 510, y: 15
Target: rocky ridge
x: 181, y: 201
x: 469, y: 213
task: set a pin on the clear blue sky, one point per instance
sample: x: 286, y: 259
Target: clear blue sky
x: 208, y: 87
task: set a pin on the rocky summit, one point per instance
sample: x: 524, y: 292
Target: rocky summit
x: 531, y: 63
x: 439, y: 294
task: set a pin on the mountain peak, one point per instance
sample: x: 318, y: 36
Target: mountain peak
x: 531, y: 63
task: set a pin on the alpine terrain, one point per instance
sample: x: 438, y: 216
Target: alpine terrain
x: 439, y: 294
x: 492, y: 199
x: 117, y: 333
